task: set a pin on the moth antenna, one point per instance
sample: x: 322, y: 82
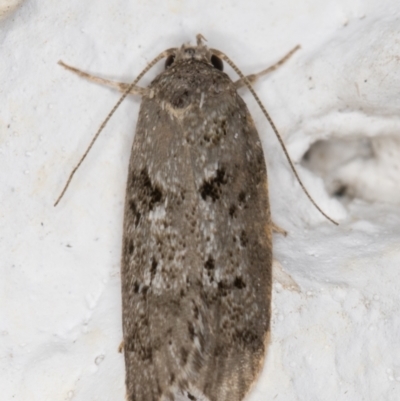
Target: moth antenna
x: 224, y: 57
x: 162, y: 55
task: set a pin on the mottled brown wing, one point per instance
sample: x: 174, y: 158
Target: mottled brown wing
x: 196, y: 264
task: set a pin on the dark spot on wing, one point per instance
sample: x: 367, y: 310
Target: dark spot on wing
x: 239, y: 283
x: 210, y: 263
x: 135, y: 212
x: 128, y: 246
x: 131, y: 248
x: 191, y: 331
x: 243, y: 238
x: 147, y: 193
x: 153, y: 269
x: 222, y: 289
x: 212, y: 187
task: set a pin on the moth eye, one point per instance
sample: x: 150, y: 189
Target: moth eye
x: 169, y: 61
x: 217, y: 63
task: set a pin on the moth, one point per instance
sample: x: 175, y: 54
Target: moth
x: 196, y: 268
x: 197, y: 249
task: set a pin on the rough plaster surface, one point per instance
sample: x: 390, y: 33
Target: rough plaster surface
x: 336, y: 303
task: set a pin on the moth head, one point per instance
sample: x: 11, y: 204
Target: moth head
x: 199, y: 52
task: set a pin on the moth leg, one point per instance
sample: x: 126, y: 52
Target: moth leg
x: 279, y: 230
x: 281, y: 276
x: 121, y: 347
x: 121, y: 86
x: 253, y: 77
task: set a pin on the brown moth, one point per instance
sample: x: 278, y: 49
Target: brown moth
x: 197, y: 249
x: 197, y: 239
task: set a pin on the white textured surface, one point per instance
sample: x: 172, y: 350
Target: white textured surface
x: 335, y: 334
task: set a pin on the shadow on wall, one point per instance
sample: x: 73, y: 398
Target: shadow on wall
x: 364, y: 168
